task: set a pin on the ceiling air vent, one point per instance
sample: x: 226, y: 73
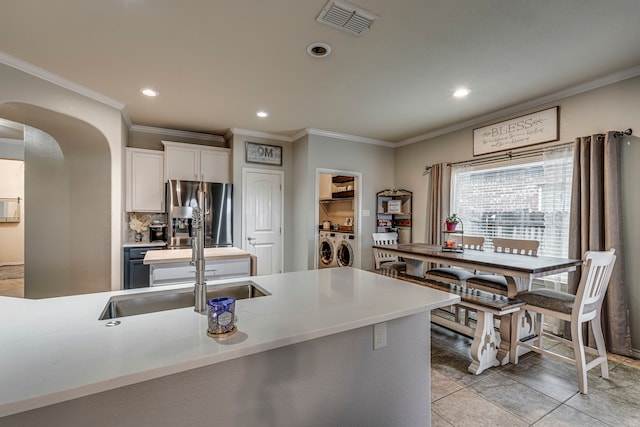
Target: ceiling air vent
x: 346, y: 16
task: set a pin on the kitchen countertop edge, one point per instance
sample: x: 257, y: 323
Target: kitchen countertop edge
x: 265, y: 321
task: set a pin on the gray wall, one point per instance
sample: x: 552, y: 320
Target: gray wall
x: 374, y: 162
x: 303, y: 224
x: 74, y: 121
x: 337, y: 380
x: 612, y: 107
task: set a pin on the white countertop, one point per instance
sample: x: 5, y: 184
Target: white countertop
x: 184, y: 255
x: 56, y: 349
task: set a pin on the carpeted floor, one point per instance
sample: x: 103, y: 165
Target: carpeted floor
x: 11, y: 271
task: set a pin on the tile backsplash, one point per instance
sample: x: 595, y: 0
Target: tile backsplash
x: 151, y: 217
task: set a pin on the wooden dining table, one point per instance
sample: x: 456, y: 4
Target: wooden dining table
x: 519, y: 270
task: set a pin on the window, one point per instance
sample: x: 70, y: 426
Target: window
x: 528, y: 198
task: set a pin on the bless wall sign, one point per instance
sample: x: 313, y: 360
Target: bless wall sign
x: 531, y: 129
x: 262, y: 153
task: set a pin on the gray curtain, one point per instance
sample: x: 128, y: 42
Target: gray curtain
x: 596, y: 225
x: 435, y: 219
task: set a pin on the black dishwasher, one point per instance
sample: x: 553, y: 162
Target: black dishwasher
x: 136, y: 274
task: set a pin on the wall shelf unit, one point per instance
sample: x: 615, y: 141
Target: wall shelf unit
x: 394, y: 213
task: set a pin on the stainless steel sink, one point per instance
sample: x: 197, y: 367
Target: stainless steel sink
x: 151, y: 302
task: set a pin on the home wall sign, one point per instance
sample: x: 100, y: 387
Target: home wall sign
x: 531, y: 129
x: 263, y: 153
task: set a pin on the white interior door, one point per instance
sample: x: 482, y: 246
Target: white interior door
x: 262, y: 219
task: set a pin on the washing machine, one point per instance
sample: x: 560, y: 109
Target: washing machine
x: 326, y: 250
x: 345, y: 245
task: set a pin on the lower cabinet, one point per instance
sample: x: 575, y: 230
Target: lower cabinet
x: 215, y: 269
x: 136, y: 274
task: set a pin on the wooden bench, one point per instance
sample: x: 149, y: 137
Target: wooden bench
x: 489, y: 348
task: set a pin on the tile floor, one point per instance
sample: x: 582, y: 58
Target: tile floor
x: 539, y: 391
x: 12, y: 288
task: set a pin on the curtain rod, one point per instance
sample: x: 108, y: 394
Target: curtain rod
x: 624, y: 132
x: 511, y: 155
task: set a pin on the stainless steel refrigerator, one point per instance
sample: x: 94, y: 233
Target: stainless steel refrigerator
x: 217, y: 204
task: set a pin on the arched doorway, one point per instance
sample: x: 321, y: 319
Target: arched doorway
x: 67, y: 203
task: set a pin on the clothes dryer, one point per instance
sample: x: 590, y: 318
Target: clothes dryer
x: 345, y: 249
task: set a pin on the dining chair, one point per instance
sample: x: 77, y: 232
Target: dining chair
x: 456, y: 275
x: 583, y: 307
x: 385, y: 260
x: 497, y: 284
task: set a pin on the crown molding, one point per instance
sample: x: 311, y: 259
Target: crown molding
x: 347, y: 137
x: 575, y: 90
x: 126, y: 117
x: 257, y: 134
x: 57, y: 80
x: 297, y: 136
x: 178, y: 133
x: 309, y: 131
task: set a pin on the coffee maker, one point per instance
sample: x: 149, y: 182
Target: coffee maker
x: 157, y: 232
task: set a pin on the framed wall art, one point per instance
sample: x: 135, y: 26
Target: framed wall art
x: 534, y: 128
x: 263, y: 153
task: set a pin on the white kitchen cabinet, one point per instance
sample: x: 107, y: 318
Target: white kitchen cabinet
x: 144, y: 180
x: 214, y: 165
x: 190, y: 162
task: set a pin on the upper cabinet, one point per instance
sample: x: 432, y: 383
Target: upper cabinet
x: 214, y: 165
x: 145, y: 180
x: 189, y: 162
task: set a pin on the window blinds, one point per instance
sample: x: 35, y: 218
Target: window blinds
x: 526, y: 199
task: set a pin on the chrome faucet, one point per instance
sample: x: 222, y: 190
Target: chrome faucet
x: 197, y: 259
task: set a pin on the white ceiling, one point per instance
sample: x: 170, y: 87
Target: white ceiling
x: 216, y: 62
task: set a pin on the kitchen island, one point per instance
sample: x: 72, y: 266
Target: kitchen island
x: 303, y: 355
x: 184, y: 255
x: 174, y: 265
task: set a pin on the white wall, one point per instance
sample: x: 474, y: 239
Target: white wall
x: 12, y: 233
x: 612, y: 107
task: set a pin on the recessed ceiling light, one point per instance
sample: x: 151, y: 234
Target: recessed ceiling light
x: 319, y: 50
x: 262, y: 114
x: 461, y: 93
x: 149, y: 92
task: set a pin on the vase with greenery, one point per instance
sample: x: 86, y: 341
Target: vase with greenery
x: 138, y: 224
